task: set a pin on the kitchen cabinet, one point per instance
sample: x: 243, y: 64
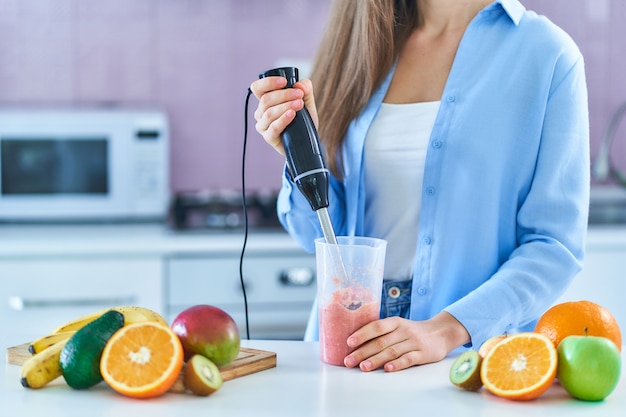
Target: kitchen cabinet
x: 280, y: 289
x: 38, y: 294
x: 53, y: 273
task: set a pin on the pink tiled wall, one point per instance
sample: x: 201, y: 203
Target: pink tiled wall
x: 598, y: 28
x: 196, y: 58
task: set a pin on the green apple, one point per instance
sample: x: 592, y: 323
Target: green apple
x: 589, y: 366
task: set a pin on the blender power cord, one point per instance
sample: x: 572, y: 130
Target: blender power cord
x: 245, y: 211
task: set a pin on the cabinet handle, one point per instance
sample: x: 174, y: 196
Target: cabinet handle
x: 21, y: 303
x: 297, y: 277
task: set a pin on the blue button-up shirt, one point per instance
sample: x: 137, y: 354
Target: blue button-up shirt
x: 506, y: 182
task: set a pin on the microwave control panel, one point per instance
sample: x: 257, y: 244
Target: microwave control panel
x: 150, y: 165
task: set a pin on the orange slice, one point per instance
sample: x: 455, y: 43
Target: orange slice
x: 520, y: 367
x: 142, y: 360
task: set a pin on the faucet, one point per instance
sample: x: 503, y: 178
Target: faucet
x: 602, y: 168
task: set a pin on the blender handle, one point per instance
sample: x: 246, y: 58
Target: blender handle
x: 302, y: 149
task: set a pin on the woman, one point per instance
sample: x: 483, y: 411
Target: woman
x: 458, y: 131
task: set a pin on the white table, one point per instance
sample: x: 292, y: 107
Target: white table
x: 302, y: 386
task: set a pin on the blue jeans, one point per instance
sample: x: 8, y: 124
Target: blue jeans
x: 396, y: 299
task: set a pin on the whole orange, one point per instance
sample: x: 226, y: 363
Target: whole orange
x: 578, y: 318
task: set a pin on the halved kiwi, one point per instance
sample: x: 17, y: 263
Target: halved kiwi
x: 465, y: 371
x: 201, y: 376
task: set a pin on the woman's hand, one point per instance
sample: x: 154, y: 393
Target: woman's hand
x: 277, y: 107
x: 396, y: 343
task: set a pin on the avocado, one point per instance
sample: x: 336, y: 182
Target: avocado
x: 80, y: 357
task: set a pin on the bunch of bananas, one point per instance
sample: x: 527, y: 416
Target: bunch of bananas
x: 44, y: 366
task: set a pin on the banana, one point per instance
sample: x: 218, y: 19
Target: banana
x: 79, y: 322
x: 132, y: 314
x: 136, y: 314
x: 45, y: 342
x: 43, y: 368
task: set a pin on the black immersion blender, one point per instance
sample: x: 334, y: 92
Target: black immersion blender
x: 305, y: 160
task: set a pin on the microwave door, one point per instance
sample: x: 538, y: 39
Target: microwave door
x: 59, y: 177
x: 40, y: 166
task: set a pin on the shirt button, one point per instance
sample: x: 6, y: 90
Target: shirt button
x: 394, y: 292
x: 451, y: 99
x: 427, y: 240
x: 430, y: 190
x: 422, y: 291
x: 437, y: 144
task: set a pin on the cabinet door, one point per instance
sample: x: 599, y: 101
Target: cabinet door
x: 39, y: 294
x: 280, y: 291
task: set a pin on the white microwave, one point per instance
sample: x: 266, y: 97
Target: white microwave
x: 83, y: 164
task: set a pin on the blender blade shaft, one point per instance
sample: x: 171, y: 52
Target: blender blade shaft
x: 329, y: 235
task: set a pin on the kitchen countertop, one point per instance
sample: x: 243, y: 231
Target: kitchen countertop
x: 302, y: 386
x: 157, y: 239
x: 19, y: 240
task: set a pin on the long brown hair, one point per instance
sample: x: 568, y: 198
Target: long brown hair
x: 361, y: 42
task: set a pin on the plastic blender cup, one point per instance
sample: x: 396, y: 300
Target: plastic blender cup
x: 349, y: 289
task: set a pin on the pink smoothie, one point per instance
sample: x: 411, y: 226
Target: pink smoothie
x: 348, y: 311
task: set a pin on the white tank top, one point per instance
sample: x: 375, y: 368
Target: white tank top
x: 395, y: 151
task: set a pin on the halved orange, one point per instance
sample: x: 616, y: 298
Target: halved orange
x: 521, y: 366
x: 142, y: 360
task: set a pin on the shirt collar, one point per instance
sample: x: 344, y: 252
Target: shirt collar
x: 513, y: 8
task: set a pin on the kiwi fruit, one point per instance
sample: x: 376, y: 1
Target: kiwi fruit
x: 465, y: 371
x: 201, y: 376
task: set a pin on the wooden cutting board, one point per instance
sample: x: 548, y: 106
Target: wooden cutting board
x: 248, y: 361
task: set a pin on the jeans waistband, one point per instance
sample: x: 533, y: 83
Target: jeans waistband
x: 396, y: 298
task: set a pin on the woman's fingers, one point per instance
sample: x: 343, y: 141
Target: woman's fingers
x: 277, y: 108
x: 266, y: 115
x: 271, y: 130
x: 373, y: 331
x: 372, y: 339
x: 396, y: 343
x: 267, y: 84
x: 395, y: 357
